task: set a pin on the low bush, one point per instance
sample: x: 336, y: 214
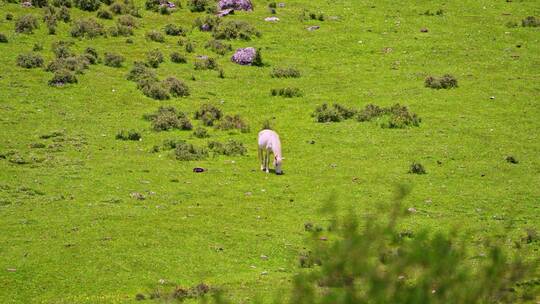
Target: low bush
x: 218, y: 47
x: 3, y: 38
x: 190, y: 47
x: 530, y: 21
x: 235, y: 29
x: 198, y: 5
x: 154, y: 58
x: 206, y: 63
x: 63, y: 14
x: 155, y: 36
x: 188, y: 152
x: 208, y: 114
x: 120, y: 30
x: 75, y: 64
x: 416, y: 168
x: 26, y: 24
x: 104, y: 13
x: 286, y: 92
x: 88, y: 28
x: 155, y: 90
x: 511, y: 159
x: 168, y: 118
x: 325, y: 113
x: 118, y: 8
x: 201, y: 132
x: 174, y: 30
x: 61, y: 49
x: 37, y: 47
x: 30, y: 60
x: 233, y: 122
x: 230, y: 148
x: 91, y: 55
x: 87, y: 5
x: 9, y: 16
x: 285, y: 73
x: 128, y: 135
x: 369, y: 112
x: 61, y: 3
x: 62, y: 77
x: 447, y: 81
x: 141, y: 72
x: 400, y: 117
x: 207, y: 24
x: 177, y: 88
x: 127, y: 21
x: 40, y: 3
x: 178, y: 58
x: 113, y: 60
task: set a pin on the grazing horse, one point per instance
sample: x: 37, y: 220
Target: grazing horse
x: 269, y: 144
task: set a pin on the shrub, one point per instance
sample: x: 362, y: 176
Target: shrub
x: 230, y: 148
x: 154, y: 58
x: 40, y: 3
x: 188, y: 152
x: 201, y: 132
x: 176, y: 87
x: 104, y: 13
x: 286, y: 92
x: 75, y: 64
x: 113, y: 60
x: 324, y: 113
x: 51, y: 26
x: 401, y: 117
x: 205, y: 63
x: 369, y: 112
x: 198, y: 5
x: 49, y: 14
x: 221, y: 73
x: 37, y: 47
x: 30, y: 60
x: 266, y: 125
x: 128, y: 135
x: 233, y: 122
x: 89, y: 28
x: 62, y: 77
x: 87, y: 5
x: 63, y: 14
x: 152, y: 5
x: 174, y: 30
x: 126, y: 20
x: 167, y: 118
x: 344, y: 111
x: 61, y: 49
x: 235, y: 29
x: 285, y: 73
x: 417, y: 168
x: 178, y: 58
x: 209, y: 114
x: 530, y: 21
x: 26, y: 24
x: 61, y: 3
x: 118, y: 8
x: 9, y: 16
x: 141, y: 72
x: 190, y: 47
x: 155, y: 36
x: 218, y: 47
x: 445, y: 82
x: 207, y: 24
x: 120, y: 30
x: 154, y: 90
x: 164, y: 10
x: 3, y: 38
x: 511, y: 159
x: 91, y: 55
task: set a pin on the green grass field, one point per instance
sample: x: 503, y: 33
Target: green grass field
x: 71, y: 232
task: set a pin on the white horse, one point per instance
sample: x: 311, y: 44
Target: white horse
x: 269, y: 143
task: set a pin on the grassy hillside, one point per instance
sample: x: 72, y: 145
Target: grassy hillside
x: 72, y: 232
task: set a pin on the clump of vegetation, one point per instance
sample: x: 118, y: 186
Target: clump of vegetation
x: 62, y: 77
x: 190, y: 47
x: 61, y: 49
x: 417, y: 168
x: 9, y: 16
x: 335, y: 113
x: 189, y: 152
x: 285, y: 73
x: 63, y: 14
x: 235, y: 29
x: 104, y: 13
x: 120, y: 30
x: 233, y: 122
x: 30, y: 60
x: 3, y: 38
x: 176, y: 87
x: 286, y: 92
x: 206, y: 63
x: 155, y: 90
x: 369, y: 112
x: 230, y: 148
x: 511, y: 159
x: 91, y: 55
x: 113, y: 60
x: 208, y: 114
x: 447, y: 81
x: 128, y: 135
x: 155, y: 36
x: 62, y: 3
x: 178, y: 58
x: 218, y: 47
x: 168, y: 118
x: 154, y: 58
x: 37, y: 47
x: 198, y: 5
x: 26, y: 24
x: 207, y: 24
x: 175, y: 30
x: 201, y: 132
x: 439, y: 12
x: 530, y: 21
x: 400, y: 117
x: 141, y: 72
x: 128, y: 21
x: 88, y: 28
x: 87, y: 5
x: 40, y: 3
x: 73, y: 63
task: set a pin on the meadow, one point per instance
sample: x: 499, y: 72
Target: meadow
x: 88, y: 218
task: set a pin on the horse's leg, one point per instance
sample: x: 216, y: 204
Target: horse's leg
x: 261, y: 158
x: 267, y: 161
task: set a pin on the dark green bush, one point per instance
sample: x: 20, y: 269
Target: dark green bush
x: 445, y: 82
x: 30, y: 60
x: 206, y: 24
x: 417, y: 168
x: 87, y: 5
x: 141, y: 71
x: 75, y: 64
x: 174, y: 30
x: 285, y: 73
x: 178, y: 58
x: 91, y: 55
x: 208, y: 114
x: 198, y: 5
x: 201, y: 132
x: 88, y: 28
x: 152, y: 5
x: 335, y: 113
x: 127, y: 21
x: 155, y: 90
x: 233, y: 122
x: 61, y: 3
x: 511, y: 159
x: 63, y: 14
x: 286, y: 92
x: 26, y: 24
x: 118, y: 8
x: 369, y: 112
x: 61, y: 49
x: 37, y: 47
x: 218, y: 47
x: 168, y: 118
x: 40, y: 3
x: 176, y: 87
x: 190, y: 47
x: 104, y: 13
x: 62, y: 77
x: 128, y: 135
x: 3, y: 38
x: 235, y: 29
x: 120, y: 30
x: 9, y: 16
x: 154, y: 58
x: 530, y: 21
x: 189, y: 152
x: 206, y: 63
x: 400, y: 117
x: 230, y: 148
x: 164, y: 10
x: 155, y: 36
x: 113, y: 60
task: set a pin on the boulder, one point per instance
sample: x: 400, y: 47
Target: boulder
x: 244, y: 56
x: 237, y: 5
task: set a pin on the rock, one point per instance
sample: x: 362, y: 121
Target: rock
x: 424, y: 30
x: 264, y: 257
x: 271, y: 19
x: 264, y: 273
x: 323, y: 238
x: 237, y: 5
x: 412, y: 210
x: 313, y: 28
x: 492, y: 97
x: 206, y: 27
x: 225, y: 12
x: 11, y: 269
x: 198, y: 170
x: 244, y: 56
x: 281, y: 5
x: 137, y: 196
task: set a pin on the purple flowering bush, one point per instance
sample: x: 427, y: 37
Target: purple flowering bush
x: 238, y: 5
